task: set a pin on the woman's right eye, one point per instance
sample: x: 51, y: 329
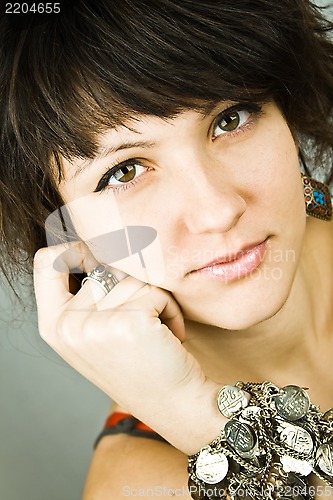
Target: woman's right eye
x: 121, y: 176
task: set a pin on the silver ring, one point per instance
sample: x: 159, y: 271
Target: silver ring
x: 102, y: 276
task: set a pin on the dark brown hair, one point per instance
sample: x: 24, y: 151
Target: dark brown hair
x: 68, y: 77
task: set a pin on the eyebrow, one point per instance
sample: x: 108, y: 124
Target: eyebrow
x: 205, y: 110
x: 106, y: 151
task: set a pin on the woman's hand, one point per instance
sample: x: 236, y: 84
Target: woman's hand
x: 128, y: 343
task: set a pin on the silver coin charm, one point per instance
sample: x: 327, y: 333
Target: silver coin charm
x: 297, y: 438
x: 230, y: 400
x: 293, y: 403
x: 324, y: 458
x: 211, y: 467
x: 240, y: 436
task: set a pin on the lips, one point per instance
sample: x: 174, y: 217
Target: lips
x: 234, y: 265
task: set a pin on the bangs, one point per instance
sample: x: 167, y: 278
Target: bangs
x: 103, y: 64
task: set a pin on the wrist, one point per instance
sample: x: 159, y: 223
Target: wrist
x: 207, y: 421
x: 197, y: 420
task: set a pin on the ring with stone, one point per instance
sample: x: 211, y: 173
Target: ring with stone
x: 102, y: 276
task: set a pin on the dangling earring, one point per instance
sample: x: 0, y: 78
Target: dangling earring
x: 318, y: 202
x: 317, y: 198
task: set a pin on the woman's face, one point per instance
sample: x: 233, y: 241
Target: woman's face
x: 222, y: 191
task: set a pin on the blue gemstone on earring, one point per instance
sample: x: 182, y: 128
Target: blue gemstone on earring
x: 319, y: 197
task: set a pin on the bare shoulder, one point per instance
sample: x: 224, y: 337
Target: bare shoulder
x: 125, y: 466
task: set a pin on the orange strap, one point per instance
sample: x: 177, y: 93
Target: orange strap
x: 119, y: 422
x: 115, y: 417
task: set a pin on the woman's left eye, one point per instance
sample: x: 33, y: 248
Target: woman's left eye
x: 233, y: 121
x: 121, y: 176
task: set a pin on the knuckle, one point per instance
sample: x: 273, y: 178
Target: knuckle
x: 112, y: 329
x: 69, y: 326
x: 40, y: 255
x: 46, y: 256
x: 91, y: 332
x: 128, y: 325
x: 61, y: 333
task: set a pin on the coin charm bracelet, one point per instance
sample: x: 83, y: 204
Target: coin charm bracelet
x: 273, y: 440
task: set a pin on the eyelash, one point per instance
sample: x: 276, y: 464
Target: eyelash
x: 255, y: 112
x: 103, y: 186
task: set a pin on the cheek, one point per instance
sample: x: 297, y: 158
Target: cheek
x: 277, y: 183
x: 94, y: 216
x: 132, y: 248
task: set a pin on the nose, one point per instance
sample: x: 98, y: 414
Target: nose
x: 210, y: 208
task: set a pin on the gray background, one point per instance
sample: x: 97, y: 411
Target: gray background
x: 49, y: 415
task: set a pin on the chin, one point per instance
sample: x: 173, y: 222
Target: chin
x: 247, y: 322
x: 238, y: 314
x: 235, y: 322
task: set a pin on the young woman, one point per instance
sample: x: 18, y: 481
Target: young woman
x: 160, y: 145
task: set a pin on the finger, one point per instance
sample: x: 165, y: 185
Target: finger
x: 88, y: 297
x: 125, y: 290
x: 93, y: 292
x: 159, y: 305
x: 52, y: 266
x: 173, y: 318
